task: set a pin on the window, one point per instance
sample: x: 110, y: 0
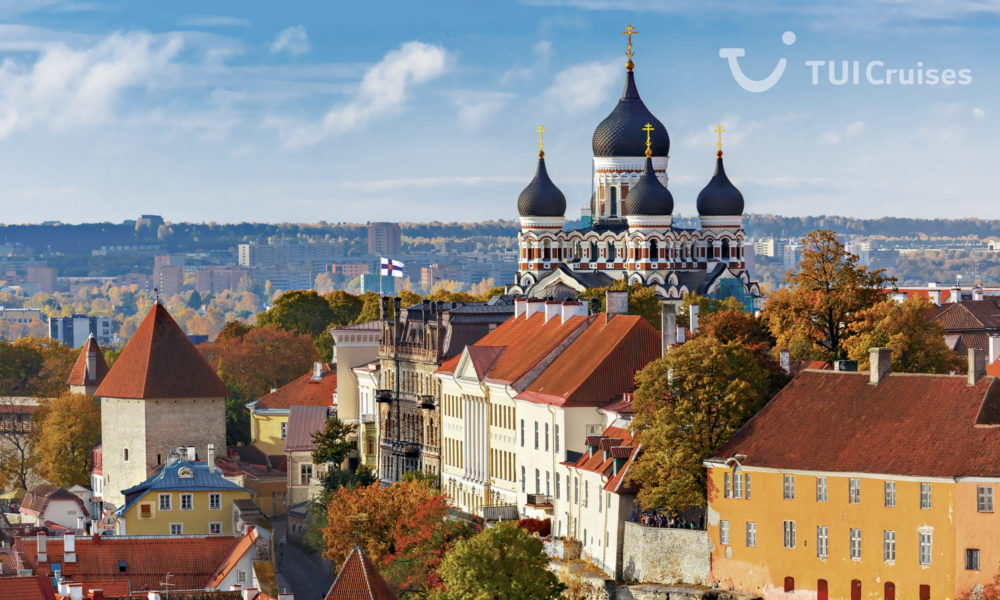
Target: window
x: 889, y: 546
x: 724, y: 533
x: 305, y: 473
x: 984, y: 499
x: 726, y: 491
x: 241, y: 577
x: 176, y: 529
x: 586, y: 494
x: 789, y: 488
x: 600, y: 500
x: 576, y: 490
x: 971, y: 559
x: 925, y: 545
x: 548, y: 483
x: 538, y: 482
x: 284, y: 429
x: 524, y: 477
x: 746, y: 485
x: 556, y: 438
x: 821, y: 489
x: 164, y: 501
x: 751, y: 534
x: 890, y: 494
x: 855, y: 544
x: 215, y: 501
x: 146, y: 511
x: 187, y: 502
x: 737, y: 483
x: 854, y: 491
x: 215, y: 527
x: 822, y: 542
x: 789, y: 534
x: 536, y: 435
x: 522, y: 433
x: 925, y: 496
x: 558, y: 483
x: 546, y: 437
x: 125, y: 454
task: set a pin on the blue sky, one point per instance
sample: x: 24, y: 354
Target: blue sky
x: 306, y: 111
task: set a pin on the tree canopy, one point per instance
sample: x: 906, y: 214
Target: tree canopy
x: 332, y: 444
x: 66, y: 429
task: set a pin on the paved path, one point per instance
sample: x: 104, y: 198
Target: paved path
x: 304, y: 574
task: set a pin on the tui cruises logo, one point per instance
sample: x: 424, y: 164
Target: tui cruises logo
x: 845, y: 72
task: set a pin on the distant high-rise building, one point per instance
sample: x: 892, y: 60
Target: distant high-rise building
x: 764, y: 247
x: 350, y: 269
x: 45, y: 277
x: 792, y: 256
x: 216, y: 280
x: 168, y: 280
x: 148, y: 221
x: 74, y: 331
x: 384, y: 238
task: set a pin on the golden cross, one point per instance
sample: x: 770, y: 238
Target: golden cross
x: 540, y: 130
x: 629, y: 31
x: 648, y: 128
x: 718, y: 129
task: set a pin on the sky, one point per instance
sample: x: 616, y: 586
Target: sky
x: 311, y: 111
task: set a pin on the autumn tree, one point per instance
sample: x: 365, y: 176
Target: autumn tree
x: 344, y: 306
x: 18, y: 459
x: 19, y: 365
x: 66, y: 429
x: 811, y: 316
x: 727, y: 321
x: 686, y: 405
x: 917, y: 342
x: 402, y: 528
x: 57, y: 362
x: 500, y: 563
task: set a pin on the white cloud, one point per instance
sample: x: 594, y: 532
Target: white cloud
x: 477, y: 109
x: 214, y: 21
x: 384, y: 89
x: 67, y: 87
x: 292, y: 40
x: 836, y: 136
x: 582, y: 87
x: 978, y: 113
x: 543, y: 52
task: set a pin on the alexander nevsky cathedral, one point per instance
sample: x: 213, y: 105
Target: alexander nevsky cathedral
x: 629, y: 231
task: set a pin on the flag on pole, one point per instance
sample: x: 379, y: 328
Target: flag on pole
x: 391, y: 267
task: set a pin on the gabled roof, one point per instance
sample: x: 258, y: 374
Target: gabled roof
x: 616, y: 441
x: 179, y: 474
x: 358, y: 579
x: 236, y: 554
x: 304, y: 391
x: 191, y: 560
x: 38, y: 498
x: 969, y: 315
x: 303, y: 421
x: 34, y: 587
x: 483, y: 357
x: 161, y: 362
x: 80, y: 375
x: 908, y: 424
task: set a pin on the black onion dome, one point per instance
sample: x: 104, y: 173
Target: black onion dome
x: 649, y: 197
x: 541, y: 198
x: 621, y: 133
x: 720, y: 197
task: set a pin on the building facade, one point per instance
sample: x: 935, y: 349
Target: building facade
x: 384, y: 239
x: 355, y: 347
x: 74, y: 331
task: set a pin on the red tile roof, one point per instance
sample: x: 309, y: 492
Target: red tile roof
x: 161, y: 362
x: 79, y: 374
x: 617, y: 440
x: 358, y: 579
x: 191, y: 561
x: 970, y: 315
x: 304, y: 391
x: 908, y: 424
x: 37, y: 499
x: 599, y: 365
x: 37, y: 587
x: 243, y: 545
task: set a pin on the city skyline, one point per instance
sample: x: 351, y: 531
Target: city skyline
x: 306, y: 113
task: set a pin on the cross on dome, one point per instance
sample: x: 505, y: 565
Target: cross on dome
x: 648, y: 128
x: 719, y: 130
x: 540, y: 130
x: 629, y: 31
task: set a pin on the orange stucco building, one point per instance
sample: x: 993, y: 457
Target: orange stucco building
x: 861, y: 485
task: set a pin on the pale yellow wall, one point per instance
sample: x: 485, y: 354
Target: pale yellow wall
x: 195, y: 521
x: 266, y: 433
x: 298, y: 491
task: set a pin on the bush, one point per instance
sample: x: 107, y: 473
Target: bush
x: 536, y: 526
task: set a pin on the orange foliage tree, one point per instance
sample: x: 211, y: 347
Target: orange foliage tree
x: 402, y: 529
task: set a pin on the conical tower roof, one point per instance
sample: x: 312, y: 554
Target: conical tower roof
x: 80, y: 375
x: 161, y: 362
x: 358, y: 579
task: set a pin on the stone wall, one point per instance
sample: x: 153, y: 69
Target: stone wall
x: 664, y: 555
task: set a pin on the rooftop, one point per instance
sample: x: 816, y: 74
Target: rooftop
x: 358, y: 579
x: 303, y: 421
x: 307, y: 390
x: 80, y: 374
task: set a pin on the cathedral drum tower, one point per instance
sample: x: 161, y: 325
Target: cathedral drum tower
x: 628, y: 229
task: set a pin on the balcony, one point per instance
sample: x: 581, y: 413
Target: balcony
x: 383, y: 396
x: 427, y: 402
x: 367, y: 418
x: 539, y: 500
x: 411, y: 449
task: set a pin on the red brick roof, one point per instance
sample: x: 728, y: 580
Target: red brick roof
x: 970, y: 315
x: 304, y: 391
x: 37, y: 499
x: 191, y: 561
x: 599, y: 365
x: 358, y: 579
x: 618, y: 442
x: 36, y: 587
x: 79, y: 374
x: 920, y: 425
x: 161, y: 362
x: 236, y: 554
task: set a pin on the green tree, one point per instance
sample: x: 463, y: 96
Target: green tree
x: 686, y: 405
x: 811, y: 316
x: 500, y: 563
x: 346, y: 307
x: 194, y: 300
x: 66, y: 430
x: 332, y: 445
x: 19, y: 365
x: 917, y: 342
x: 300, y: 311
x: 57, y: 362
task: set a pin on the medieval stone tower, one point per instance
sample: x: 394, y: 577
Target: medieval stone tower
x: 160, y: 394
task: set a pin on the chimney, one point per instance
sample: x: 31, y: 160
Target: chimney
x: 552, y: 308
x: 69, y: 548
x: 977, y: 293
x: 935, y: 296
x: 693, y: 321
x: 668, y: 326
x: 956, y: 294
x: 573, y: 308
x: 40, y: 540
x: 879, y: 360
x: 786, y: 361
x: 977, y: 365
x: 153, y: 596
x: 91, y: 374
x: 520, y: 305
x: 994, y: 348
x: 75, y: 591
x: 845, y: 365
x: 534, y: 305
x: 210, y: 461
x: 616, y: 303
x: 96, y: 594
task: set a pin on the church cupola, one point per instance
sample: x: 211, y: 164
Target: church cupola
x: 720, y: 198
x: 648, y: 197
x: 541, y: 198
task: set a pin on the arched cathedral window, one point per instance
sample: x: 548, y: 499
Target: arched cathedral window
x: 654, y: 250
x: 614, y: 202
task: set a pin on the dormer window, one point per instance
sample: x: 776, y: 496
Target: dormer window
x: 185, y: 473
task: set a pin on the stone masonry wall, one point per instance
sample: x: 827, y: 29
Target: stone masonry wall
x: 663, y: 555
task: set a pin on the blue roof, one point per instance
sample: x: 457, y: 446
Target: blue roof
x: 181, y: 475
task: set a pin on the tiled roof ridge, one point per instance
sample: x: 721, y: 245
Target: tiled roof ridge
x: 545, y: 361
x: 622, y: 335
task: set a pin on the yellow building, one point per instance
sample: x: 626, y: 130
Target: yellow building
x: 185, y: 497
x: 861, y: 485
x: 269, y: 413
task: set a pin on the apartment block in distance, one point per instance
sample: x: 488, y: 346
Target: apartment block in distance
x: 384, y: 238
x: 74, y: 331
